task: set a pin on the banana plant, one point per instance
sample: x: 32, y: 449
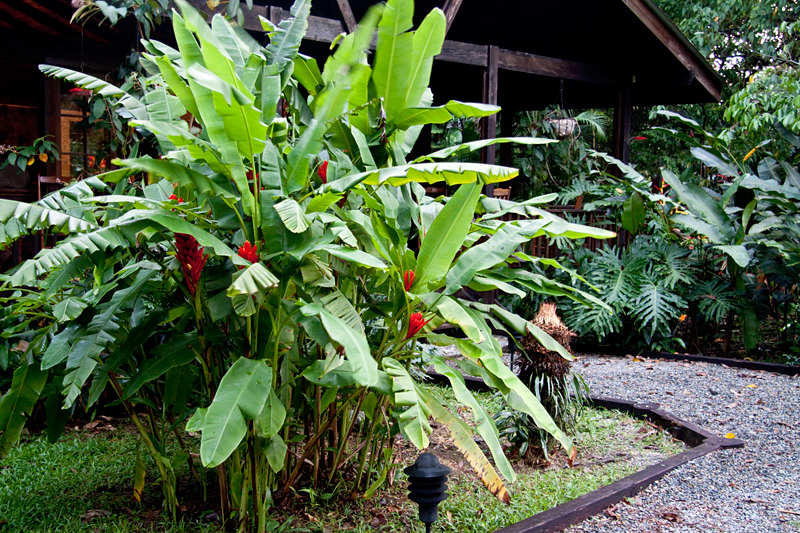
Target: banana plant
x: 262, y: 263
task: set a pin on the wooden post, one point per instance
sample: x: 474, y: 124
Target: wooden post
x: 507, y: 130
x: 621, y: 135
x: 489, y: 124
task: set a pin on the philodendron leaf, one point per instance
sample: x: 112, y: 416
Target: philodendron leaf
x: 446, y: 235
x: 414, y: 420
x: 462, y: 438
x: 241, y: 396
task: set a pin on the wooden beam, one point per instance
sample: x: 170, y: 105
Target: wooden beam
x: 674, y: 41
x: 320, y: 29
x: 489, y: 124
x: 561, y: 68
x: 450, y: 10
x: 347, y: 14
x: 62, y: 22
x: 31, y: 22
x: 326, y: 30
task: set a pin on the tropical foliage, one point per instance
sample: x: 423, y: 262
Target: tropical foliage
x: 257, y: 283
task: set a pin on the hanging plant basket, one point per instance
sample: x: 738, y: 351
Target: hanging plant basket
x: 565, y: 127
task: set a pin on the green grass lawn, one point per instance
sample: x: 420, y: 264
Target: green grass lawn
x: 84, y: 482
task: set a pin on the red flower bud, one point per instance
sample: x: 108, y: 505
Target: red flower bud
x: 415, y: 323
x: 408, y: 279
x: 322, y: 171
x: 191, y: 258
x: 249, y: 252
x: 173, y: 197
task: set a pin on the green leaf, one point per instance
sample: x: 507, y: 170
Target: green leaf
x: 69, y: 309
x: 477, y: 145
x: 175, y: 352
x: 485, y: 255
x: 19, y: 218
x: 633, y: 213
x: 356, y: 349
x: 739, y: 253
x: 285, y: 39
x: 446, y: 235
x: 17, y: 404
x: 240, y: 397
x: 354, y: 256
x: 452, y: 311
x: 292, y: 215
x: 486, y: 427
x: 713, y: 161
x: 102, y: 331
x: 462, y: 109
x: 58, y: 349
x: 276, y: 453
x: 270, y: 420
x: 175, y: 173
x: 425, y: 44
x: 451, y: 173
x: 413, y: 116
x: 249, y: 287
x: 393, y: 55
x: 519, y: 396
x: 414, y: 420
x: 197, y: 421
x: 306, y: 71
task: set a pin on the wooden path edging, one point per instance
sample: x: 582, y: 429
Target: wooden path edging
x: 556, y: 519
x: 778, y: 368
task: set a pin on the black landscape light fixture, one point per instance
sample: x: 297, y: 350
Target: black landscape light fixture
x: 427, y: 478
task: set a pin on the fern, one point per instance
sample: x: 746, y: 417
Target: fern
x: 715, y: 299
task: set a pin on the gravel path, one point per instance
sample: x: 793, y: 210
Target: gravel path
x: 753, y: 490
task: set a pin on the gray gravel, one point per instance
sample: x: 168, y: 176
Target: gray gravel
x: 754, y: 490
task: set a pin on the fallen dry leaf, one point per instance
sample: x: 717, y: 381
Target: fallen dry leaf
x: 94, y: 513
x: 672, y: 517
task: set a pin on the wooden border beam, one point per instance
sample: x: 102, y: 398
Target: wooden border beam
x: 347, y: 14
x: 676, y: 43
x: 450, y: 9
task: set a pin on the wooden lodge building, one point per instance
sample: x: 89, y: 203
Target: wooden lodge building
x: 519, y: 54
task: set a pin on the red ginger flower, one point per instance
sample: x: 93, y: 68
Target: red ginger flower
x: 415, y: 323
x: 408, y: 279
x: 173, y: 197
x: 249, y: 252
x: 322, y: 171
x: 191, y: 258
